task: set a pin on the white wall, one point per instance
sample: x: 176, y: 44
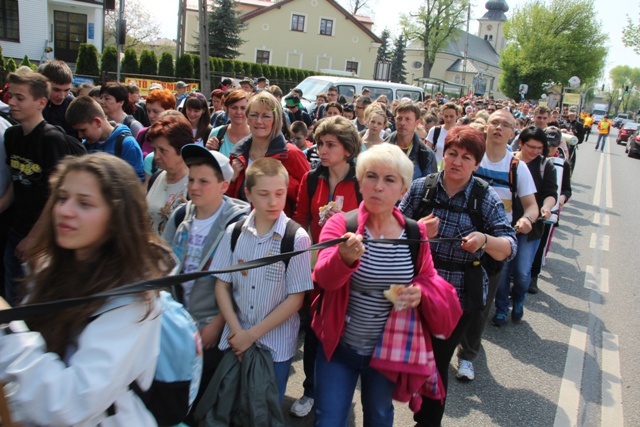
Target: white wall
x: 34, y: 31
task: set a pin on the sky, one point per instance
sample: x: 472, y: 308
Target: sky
x: 385, y: 14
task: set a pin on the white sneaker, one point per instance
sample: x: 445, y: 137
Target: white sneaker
x: 302, y: 406
x: 465, y: 370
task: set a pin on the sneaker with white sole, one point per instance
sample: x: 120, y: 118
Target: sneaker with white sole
x: 465, y: 370
x: 302, y: 406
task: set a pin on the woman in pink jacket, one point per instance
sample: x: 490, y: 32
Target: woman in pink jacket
x: 351, y: 313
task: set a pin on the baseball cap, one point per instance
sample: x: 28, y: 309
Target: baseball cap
x: 214, y: 158
x: 181, y: 85
x: 554, y: 136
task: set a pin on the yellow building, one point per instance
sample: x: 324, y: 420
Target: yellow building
x: 315, y: 35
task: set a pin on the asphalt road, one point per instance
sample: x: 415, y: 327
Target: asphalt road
x: 574, y: 359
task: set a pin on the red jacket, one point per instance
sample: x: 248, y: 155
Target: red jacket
x: 439, y: 309
x: 294, y: 161
x: 308, y: 208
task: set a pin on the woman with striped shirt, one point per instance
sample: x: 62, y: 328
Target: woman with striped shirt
x: 352, y: 311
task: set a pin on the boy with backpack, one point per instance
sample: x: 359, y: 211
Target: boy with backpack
x: 33, y: 149
x: 87, y: 118
x: 194, y: 232
x: 260, y: 306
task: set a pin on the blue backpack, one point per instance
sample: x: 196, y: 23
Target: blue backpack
x: 177, y: 378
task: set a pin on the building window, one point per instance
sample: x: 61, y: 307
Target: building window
x: 456, y: 79
x: 352, y: 67
x: 9, y: 20
x: 263, y: 56
x: 297, y: 23
x: 326, y: 27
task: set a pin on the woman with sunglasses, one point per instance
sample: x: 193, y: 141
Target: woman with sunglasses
x: 197, y: 112
x: 265, y: 116
x: 224, y: 138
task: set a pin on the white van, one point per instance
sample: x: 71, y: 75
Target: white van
x: 313, y: 85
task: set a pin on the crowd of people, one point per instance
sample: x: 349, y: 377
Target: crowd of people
x: 101, y: 189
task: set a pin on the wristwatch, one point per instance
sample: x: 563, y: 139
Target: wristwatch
x: 15, y: 327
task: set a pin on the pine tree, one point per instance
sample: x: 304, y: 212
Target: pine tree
x: 87, y: 62
x: 383, y: 50
x: 108, y: 61
x: 184, y: 66
x: 25, y: 62
x: 196, y: 66
x: 165, y: 68
x: 398, y: 71
x: 224, y: 29
x: 129, y: 64
x: 11, y: 65
x: 148, y: 63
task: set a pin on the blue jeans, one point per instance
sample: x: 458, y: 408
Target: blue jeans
x: 281, y: 370
x: 520, y: 268
x: 336, y: 382
x: 603, y: 138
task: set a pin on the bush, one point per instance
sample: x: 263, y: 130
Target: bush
x: 196, y: 66
x: 26, y: 62
x: 129, y: 64
x: 11, y: 66
x: 184, y: 67
x: 267, y: 71
x: 109, y: 61
x: 227, y: 65
x: 165, y: 67
x: 238, y: 69
x: 87, y: 62
x: 148, y: 63
x: 256, y: 70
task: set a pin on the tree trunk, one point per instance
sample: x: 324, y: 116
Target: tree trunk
x: 426, y: 68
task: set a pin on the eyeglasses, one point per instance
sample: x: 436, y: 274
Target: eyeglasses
x: 496, y: 123
x: 263, y: 117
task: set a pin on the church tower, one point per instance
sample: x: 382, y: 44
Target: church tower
x: 492, y: 23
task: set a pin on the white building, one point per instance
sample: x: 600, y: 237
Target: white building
x: 30, y: 27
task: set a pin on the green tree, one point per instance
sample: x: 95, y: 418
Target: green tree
x: 383, y: 50
x: 238, y: 69
x: 196, y: 66
x: 165, y: 67
x: 256, y: 70
x: 129, y: 64
x: 631, y: 35
x: 434, y: 25
x: 398, y: 70
x: 25, y: 62
x: 227, y: 65
x: 11, y: 66
x: 148, y: 63
x: 87, y: 62
x: 568, y: 42
x: 109, y: 59
x: 623, y: 77
x: 184, y: 66
x: 224, y: 29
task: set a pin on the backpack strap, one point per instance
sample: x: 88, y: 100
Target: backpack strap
x: 426, y: 204
x: 181, y: 212
x: 312, y: 182
x: 118, y: 147
x: 412, y: 232
x: 286, y: 244
x: 351, y: 218
x: 474, y: 204
x: 153, y: 179
x: 513, y: 175
x: 222, y: 132
x: 436, y: 135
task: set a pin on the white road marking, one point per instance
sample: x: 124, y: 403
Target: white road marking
x: 611, y: 382
x: 569, y: 398
x: 609, y: 195
x: 599, y: 219
x: 603, y: 244
x: 597, y: 280
x: 597, y: 194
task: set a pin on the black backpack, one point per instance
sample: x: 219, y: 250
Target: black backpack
x: 118, y: 147
x: 9, y: 118
x: 75, y: 147
x: 473, y: 209
x: 436, y: 135
x: 286, y: 244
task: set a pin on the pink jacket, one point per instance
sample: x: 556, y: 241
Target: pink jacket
x: 439, y: 310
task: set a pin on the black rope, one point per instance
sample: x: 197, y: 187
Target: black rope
x: 34, y: 310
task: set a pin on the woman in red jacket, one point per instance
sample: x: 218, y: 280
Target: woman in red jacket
x: 265, y: 116
x: 331, y: 187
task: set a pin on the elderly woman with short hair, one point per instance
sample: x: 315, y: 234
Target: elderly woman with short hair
x: 351, y: 313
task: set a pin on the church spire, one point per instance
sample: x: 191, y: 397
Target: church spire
x: 496, y: 10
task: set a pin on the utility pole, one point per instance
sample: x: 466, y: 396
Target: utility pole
x: 205, y: 70
x: 182, y: 23
x: 121, y: 35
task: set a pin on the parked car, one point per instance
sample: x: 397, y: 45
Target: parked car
x: 627, y: 131
x: 633, y: 146
x: 620, y: 120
